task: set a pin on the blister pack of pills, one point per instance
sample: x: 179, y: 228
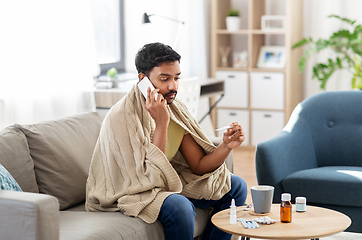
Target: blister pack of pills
x: 265, y: 220
x: 248, y: 223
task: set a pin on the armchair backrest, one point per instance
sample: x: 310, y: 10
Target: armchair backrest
x: 335, y: 124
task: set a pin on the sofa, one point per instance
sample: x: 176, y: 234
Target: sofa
x: 50, y: 162
x: 319, y: 154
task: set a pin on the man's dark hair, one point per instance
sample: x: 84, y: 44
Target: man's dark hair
x: 153, y: 55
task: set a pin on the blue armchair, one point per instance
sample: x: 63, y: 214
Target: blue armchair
x: 319, y: 154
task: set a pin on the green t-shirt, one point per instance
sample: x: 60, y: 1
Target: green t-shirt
x: 175, y: 134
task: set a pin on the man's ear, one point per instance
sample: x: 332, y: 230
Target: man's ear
x: 141, y: 76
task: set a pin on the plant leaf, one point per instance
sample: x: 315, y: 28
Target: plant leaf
x: 302, y: 64
x: 359, y: 86
x: 331, y: 63
x: 343, y: 19
x: 358, y: 28
x: 341, y: 33
x: 315, y: 72
x: 307, y: 53
x: 321, y: 44
x: 338, y: 60
x: 302, y: 42
x: 353, y: 82
x: 323, y: 65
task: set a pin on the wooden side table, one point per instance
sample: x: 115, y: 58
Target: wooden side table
x: 316, y: 222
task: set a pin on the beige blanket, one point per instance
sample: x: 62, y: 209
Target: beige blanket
x: 130, y: 174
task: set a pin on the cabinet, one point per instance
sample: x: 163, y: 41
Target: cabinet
x: 260, y: 99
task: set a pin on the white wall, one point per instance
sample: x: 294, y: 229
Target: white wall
x: 138, y: 34
x: 193, y: 45
x: 194, y: 42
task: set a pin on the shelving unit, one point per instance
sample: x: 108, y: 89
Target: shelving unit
x: 261, y: 100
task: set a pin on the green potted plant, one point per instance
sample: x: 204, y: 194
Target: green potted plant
x: 347, y: 48
x: 233, y: 20
x: 111, y: 73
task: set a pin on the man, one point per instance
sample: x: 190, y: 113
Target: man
x: 152, y: 159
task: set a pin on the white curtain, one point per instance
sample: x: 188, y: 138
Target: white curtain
x: 318, y: 25
x: 47, y: 60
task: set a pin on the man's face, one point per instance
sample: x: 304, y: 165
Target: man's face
x: 166, y: 78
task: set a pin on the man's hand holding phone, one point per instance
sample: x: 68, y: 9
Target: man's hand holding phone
x: 144, y: 84
x: 155, y: 103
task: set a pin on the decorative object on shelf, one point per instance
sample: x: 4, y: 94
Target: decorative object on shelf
x: 233, y: 20
x: 240, y: 59
x: 272, y: 22
x: 112, y: 77
x: 271, y: 57
x: 224, y: 52
x: 348, y: 54
x: 146, y: 19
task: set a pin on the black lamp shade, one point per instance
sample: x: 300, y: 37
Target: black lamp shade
x: 146, y: 18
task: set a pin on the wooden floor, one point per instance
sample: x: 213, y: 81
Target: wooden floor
x: 244, y: 166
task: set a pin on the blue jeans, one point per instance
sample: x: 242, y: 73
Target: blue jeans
x: 177, y: 213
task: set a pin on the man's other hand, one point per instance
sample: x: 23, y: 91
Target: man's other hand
x: 234, y: 136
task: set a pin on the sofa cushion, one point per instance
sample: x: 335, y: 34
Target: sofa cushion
x: 337, y: 185
x: 62, y: 151
x: 15, y: 157
x: 106, y: 226
x: 7, y: 182
x: 80, y: 225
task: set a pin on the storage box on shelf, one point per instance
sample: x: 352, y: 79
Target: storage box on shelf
x: 265, y: 124
x: 260, y: 99
x: 236, y: 86
x: 267, y: 90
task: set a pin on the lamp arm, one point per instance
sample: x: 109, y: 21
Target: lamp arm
x: 178, y: 37
x: 175, y: 20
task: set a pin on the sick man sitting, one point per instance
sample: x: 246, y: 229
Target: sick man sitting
x: 153, y: 161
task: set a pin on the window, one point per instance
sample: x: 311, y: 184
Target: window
x: 109, y: 33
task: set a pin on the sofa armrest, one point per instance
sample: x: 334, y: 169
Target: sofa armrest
x: 290, y: 151
x: 229, y: 160
x: 28, y: 216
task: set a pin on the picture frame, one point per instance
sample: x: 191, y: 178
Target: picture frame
x: 271, y: 57
x: 240, y: 59
x: 272, y: 22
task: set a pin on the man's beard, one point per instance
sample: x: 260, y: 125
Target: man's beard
x: 170, y: 93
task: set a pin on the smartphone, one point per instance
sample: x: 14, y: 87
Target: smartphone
x: 143, y: 86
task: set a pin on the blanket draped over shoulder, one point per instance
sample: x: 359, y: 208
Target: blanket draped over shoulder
x: 130, y: 174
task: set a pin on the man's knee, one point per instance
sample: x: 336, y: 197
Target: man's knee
x: 239, y: 189
x: 238, y: 183
x: 178, y: 208
x: 184, y: 208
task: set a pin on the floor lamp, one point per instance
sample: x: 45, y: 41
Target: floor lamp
x: 146, y: 19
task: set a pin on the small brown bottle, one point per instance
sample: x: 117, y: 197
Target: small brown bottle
x: 286, y: 208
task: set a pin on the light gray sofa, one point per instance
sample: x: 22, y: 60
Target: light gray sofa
x: 50, y: 162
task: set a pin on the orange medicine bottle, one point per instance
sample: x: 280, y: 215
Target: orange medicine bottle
x: 286, y: 208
